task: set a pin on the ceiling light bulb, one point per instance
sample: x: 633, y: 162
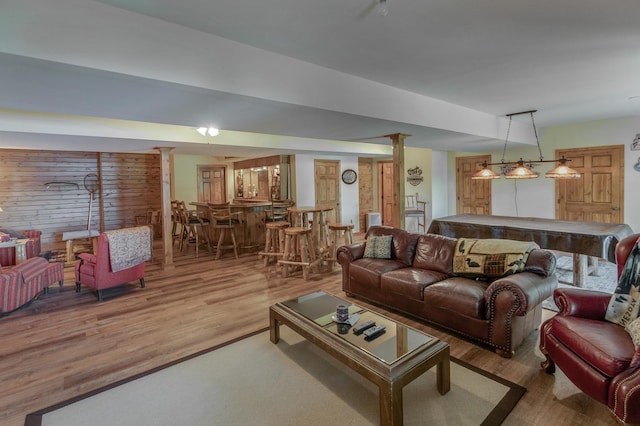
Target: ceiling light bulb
x: 202, y: 130
x: 213, y: 131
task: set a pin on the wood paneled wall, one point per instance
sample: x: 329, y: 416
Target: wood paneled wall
x: 45, y: 190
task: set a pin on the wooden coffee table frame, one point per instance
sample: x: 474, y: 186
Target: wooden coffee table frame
x: 390, y: 378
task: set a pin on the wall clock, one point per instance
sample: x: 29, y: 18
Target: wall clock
x: 349, y: 176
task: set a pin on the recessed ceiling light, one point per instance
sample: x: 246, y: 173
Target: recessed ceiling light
x: 211, y: 131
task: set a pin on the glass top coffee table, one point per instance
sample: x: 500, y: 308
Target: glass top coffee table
x: 391, y: 360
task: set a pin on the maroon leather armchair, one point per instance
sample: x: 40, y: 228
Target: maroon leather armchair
x: 596, y: 355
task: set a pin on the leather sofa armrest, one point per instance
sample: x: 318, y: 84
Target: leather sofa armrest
x: 345, y: 255
x: 588, y: 304
x: 524, y: 291
x: 349, y: 253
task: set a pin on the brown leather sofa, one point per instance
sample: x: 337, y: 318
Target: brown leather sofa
x: 596, y: 355
x: 418, y: 280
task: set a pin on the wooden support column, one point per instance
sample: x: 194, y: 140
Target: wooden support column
x: 398, y: 181
x: 167, y: 238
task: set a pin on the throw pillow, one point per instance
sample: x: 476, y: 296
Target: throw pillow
x: 633, y: 328
x: 490, y: 258
x: 624, y: 304
x: 378, y: 247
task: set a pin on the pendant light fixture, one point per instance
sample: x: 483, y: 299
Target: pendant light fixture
x: 522, y: 169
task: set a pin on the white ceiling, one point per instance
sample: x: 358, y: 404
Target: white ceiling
x: 572, y: 60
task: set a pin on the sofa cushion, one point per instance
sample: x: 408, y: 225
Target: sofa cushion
x: 464, y: 295
x: 633, y: 328
x: 368, y: 270
x: 605, y: 346
x: 435, y: 252
x: 490, y: 258
x: 410, y: 282
x: 378, y: 247
x: 403, y: 244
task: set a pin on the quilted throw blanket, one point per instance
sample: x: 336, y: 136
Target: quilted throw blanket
x: 490, y: 258
x: 129, y: 247
x: 623, y: 307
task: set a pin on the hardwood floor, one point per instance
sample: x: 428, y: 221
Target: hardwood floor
x: 65, y: 344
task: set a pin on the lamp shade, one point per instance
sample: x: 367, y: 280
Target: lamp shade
x: 485, y: 173
x: 521, y: 172
x: 563, y: 171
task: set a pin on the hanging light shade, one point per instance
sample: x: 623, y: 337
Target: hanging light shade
x: 563, y: 171
x: 521, y: 172
x: 523, y: 169
x: 485, y: 173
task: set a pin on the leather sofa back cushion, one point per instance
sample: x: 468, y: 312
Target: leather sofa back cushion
x: 435, y: 252
x: 403, y: 243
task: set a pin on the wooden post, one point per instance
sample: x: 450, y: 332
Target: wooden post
x: 398, y: 181
x: 167, y: 238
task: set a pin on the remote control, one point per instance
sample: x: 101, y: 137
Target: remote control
x: 362, y: 327
x: 374, y: 332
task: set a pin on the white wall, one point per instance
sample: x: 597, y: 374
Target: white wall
x: 418, y: 157
x: 305, y: 186
x: 185, y: 176
x: 440, y: 189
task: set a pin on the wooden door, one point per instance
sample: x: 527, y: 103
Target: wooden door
x: 385, y: 192
x: 327, y: 182
x: 473, y: 196
x: 212, y: 184
x: 598, y: 196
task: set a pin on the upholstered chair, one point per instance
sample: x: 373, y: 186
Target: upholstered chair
x: 32, y: 247
x: 21, y: 284
x: 115, y: 262
x: 598, y: 356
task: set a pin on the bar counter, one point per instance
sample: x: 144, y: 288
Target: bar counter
x: 251, y: 232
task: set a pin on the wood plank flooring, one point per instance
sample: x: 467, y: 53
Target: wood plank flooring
x: 65, y: 344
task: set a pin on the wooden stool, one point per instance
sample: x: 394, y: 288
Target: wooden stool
x: 274, y: 244
x: 297, y: 251
x: 335, y: 229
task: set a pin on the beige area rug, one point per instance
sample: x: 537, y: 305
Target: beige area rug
x: 254, y: 382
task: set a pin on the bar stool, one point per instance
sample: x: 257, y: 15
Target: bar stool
x: 337, y: 230
x: 297, y: 251
x: 193, y: 226
x: 223, y: 219
x: 275, y: 241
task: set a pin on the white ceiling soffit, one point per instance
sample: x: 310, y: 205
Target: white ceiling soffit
x: 449, y: 69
